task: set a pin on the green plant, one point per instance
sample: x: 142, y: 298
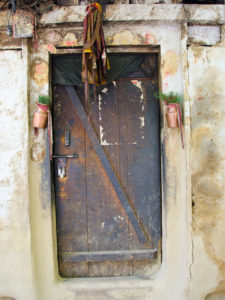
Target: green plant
x: 44, y: 99
x: 169, y: 98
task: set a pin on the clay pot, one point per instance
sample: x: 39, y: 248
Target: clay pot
x: 40, y: 117
x: 171, y: 116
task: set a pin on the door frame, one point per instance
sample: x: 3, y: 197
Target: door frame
x: 126, y: 49
x: 176, y: 185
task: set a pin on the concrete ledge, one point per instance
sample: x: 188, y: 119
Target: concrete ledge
x: 142, y: 12
x: 199, y: 14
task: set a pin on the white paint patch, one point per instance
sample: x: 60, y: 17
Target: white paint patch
x: 102, y: 141
x: 138, y: 84
x: 142, y: 121
x: 100, y: 107
x: 118, y: 218
x: 102, y: 225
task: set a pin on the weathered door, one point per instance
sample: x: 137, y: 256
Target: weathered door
x: 108, y: 201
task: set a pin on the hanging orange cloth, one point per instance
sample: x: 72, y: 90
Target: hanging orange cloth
x: 94, y: 61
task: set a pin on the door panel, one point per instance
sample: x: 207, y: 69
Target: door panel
x: 95, y: 236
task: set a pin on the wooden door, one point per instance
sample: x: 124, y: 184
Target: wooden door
x: 108, y: 207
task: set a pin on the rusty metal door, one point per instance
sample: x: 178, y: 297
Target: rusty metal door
x: 107, y: 178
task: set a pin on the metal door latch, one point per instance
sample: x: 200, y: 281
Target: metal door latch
x: 61, y: 161
x: 61, y: 167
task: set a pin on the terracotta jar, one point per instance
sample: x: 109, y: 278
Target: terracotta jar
x: 171, y: 116
x: 40, y: 117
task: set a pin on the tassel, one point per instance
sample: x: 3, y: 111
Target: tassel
x: 94, y: 62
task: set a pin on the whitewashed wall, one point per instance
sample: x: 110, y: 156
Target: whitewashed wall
x: 15, y: 239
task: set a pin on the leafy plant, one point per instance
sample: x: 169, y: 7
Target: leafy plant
x: 170, y: 98
x: 44, y: 99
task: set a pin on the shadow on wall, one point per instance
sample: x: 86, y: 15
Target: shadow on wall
x: 218, y: 294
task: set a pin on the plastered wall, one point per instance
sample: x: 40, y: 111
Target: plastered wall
x: 15, y: 237
x: 207, y: 77
x: 192, y: 265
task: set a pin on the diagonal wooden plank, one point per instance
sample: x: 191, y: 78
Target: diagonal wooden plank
x: 129, y: 209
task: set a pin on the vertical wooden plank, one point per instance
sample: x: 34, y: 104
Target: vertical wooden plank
x: 108, y: 224
x: 71, y: 190
x: 123, y: 148
x: 135, y: 134
x: 136, y: 156
x: 144, y: 162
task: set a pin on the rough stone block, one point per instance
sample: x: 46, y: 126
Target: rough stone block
x: 121, y: 1
x: 144, y: 1
x: 203, y: 35
x: 172, y: 1
x: 67, y: 2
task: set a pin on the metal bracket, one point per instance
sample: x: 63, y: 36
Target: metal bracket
x: 62, y: 163
x: 67, y: 138
x: 61, y: 167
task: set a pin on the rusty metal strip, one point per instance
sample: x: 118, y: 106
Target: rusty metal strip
x: 107, y: 256
x: 129, y: 209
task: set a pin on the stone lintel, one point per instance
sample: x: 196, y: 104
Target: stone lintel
x: 199, y: 14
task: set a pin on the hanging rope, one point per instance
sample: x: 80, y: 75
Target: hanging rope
x: 95, y: 62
